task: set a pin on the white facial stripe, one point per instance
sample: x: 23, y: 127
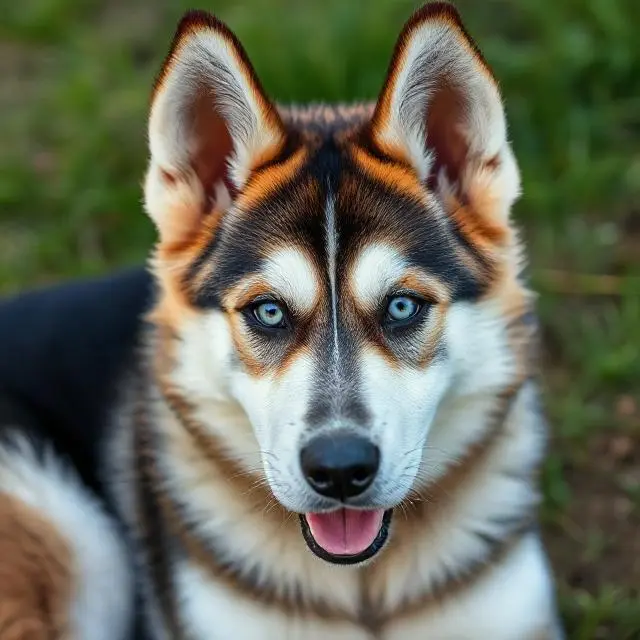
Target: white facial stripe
x: 290, y: 273
x: 376, y: 270
x: 332, y: 249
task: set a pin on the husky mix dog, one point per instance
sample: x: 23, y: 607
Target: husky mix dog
x: 315, y: 414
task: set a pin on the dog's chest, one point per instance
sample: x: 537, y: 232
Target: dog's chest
x: 512, y: 601
x: 214, y: 610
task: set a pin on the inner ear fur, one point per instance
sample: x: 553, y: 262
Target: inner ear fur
x: 210, y: 125
x: 440, y: 111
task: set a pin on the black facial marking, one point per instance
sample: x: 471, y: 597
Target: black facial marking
x: 326, y: 165
x: 365, y: 211
x: 485, y: 266
x: 373, y: 212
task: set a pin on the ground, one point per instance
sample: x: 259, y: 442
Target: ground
x: 75, y: 78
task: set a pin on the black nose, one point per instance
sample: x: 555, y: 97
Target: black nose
x: 340, y: 466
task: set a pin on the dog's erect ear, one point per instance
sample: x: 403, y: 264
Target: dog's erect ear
x: 440, y: 111
x: 210, y: 126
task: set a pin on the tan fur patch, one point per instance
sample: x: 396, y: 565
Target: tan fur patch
x: 429, y: 287
x: 269, y: 180
x: 477, y: 223
x: 36, y: 576
x: 169, y: 263
x: 436, y: 331
x: 396, y: 177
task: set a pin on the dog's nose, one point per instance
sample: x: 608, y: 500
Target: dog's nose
x: 340, y: 466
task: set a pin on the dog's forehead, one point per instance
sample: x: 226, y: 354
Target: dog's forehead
x: 332, y: 213
x: 337, y: 211
x: 332, y: 202
x: 333, y: 216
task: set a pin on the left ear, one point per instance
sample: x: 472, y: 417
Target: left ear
x: 440, y: 111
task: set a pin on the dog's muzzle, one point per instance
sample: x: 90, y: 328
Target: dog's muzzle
x: 342, y: 466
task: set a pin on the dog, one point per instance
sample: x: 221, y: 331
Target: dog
x: 315, y: 412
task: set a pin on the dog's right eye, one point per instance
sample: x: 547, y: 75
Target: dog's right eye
x: 270, y: 314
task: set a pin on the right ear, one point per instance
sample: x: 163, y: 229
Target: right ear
x: 210, y: 126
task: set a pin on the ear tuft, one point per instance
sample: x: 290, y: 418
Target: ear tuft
x: 440, y: 110
x: 210, y: 126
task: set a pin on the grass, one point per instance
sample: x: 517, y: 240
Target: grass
x: 75, y: 81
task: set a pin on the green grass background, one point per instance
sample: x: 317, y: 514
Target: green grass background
x: 75, y: 77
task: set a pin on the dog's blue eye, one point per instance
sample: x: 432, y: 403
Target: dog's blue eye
x: 269, y: 314
x: 402, y: 308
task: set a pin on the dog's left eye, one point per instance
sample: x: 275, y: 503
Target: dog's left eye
x: 270, y: 314
x: 402, y: 308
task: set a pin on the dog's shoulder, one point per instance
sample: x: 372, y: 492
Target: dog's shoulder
x: 62, y: 350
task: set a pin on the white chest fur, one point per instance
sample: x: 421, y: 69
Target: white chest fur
x: 513, y: 601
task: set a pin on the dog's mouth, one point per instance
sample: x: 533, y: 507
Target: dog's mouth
x: 346, y: 536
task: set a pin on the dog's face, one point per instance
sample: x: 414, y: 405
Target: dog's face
x: 328, y: 266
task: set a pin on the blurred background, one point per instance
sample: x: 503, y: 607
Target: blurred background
x: 75, y: 76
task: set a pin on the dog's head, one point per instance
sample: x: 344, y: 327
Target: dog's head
x: 334, y: 274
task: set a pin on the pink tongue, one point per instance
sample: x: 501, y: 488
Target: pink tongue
x: 346, y: 532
